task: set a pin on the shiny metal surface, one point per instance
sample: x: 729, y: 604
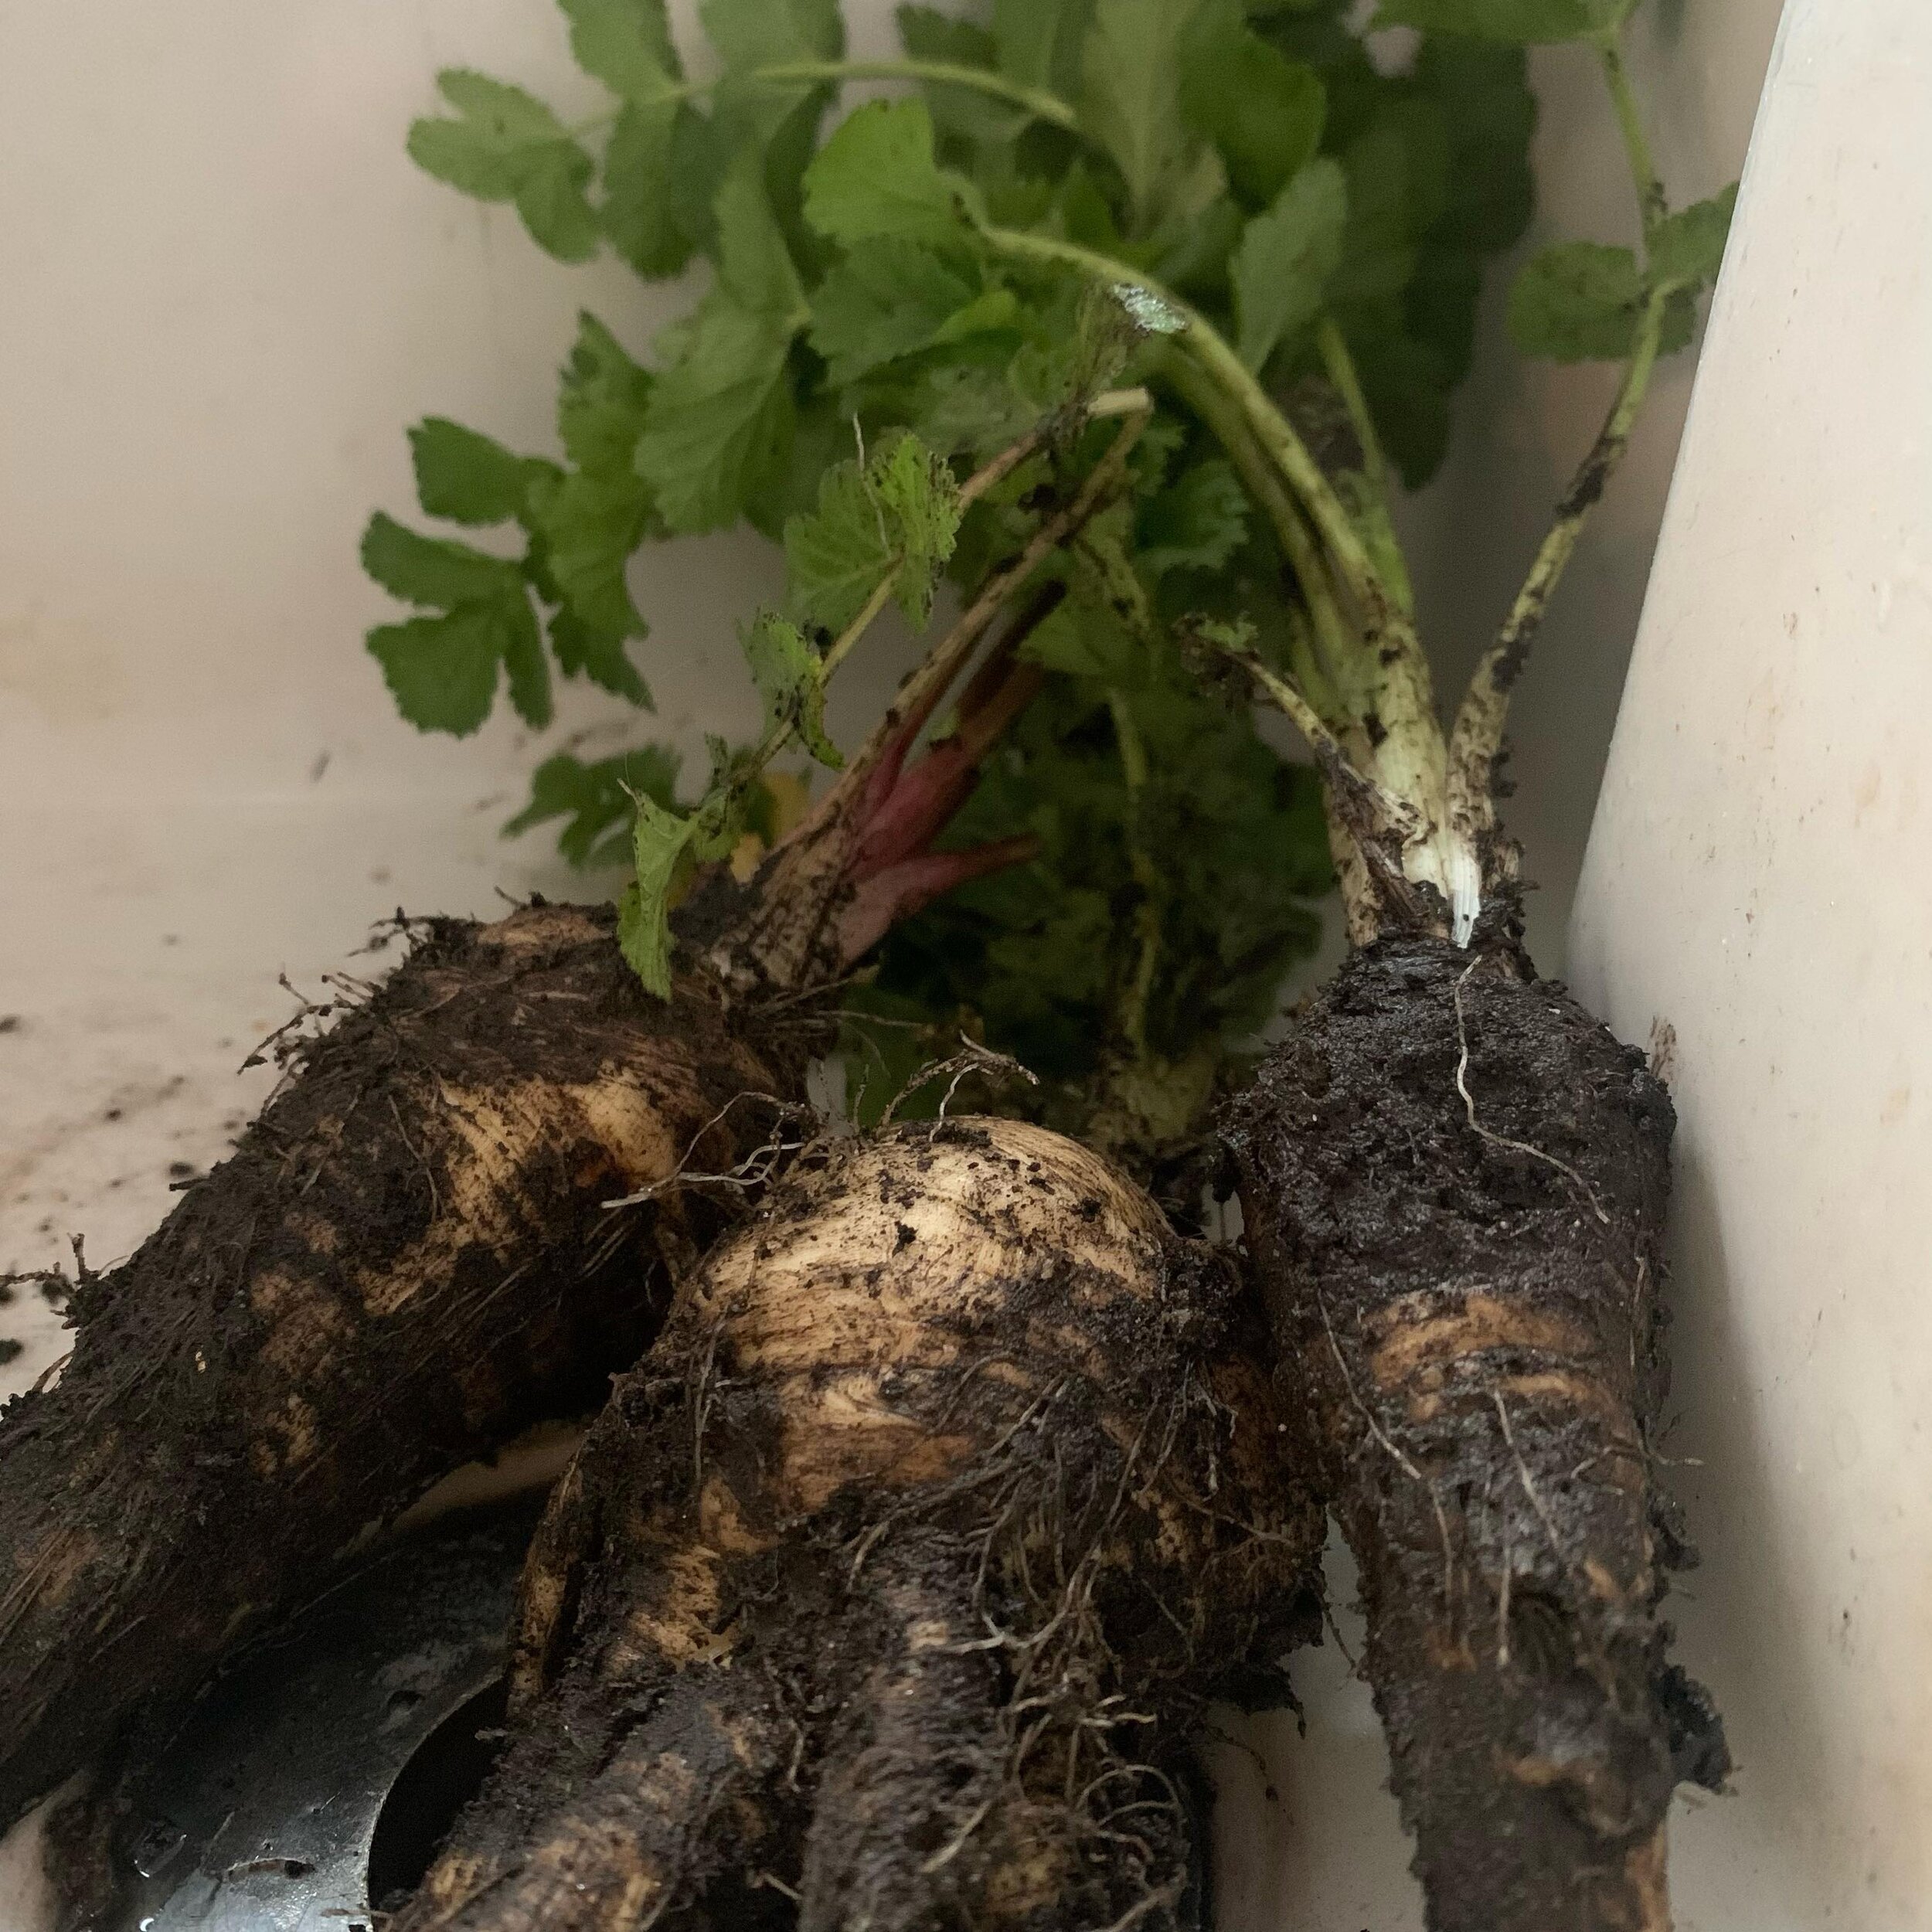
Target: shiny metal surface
x: 261, y: 1815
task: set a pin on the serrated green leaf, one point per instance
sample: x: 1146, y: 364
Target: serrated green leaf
x: 1689, y: 246
x: 928, y: 33
x: 526, y: 668
x: 590, y: 521
x: 885, y: 299
x: 1026, y: 35
x: 1081, y: 210
x: 790, y: 140
x: 790, y: 679
x: 758, y: 33
x: 916, y: 488
x: 919, y: 499
x: 490, y: 151
x: 1130, y: 95
x: 755, y: 268
x: 1085, y: 639
x: 553, y: 205
x: 969, y: 409
x: 720, y: 420
x: 994, y: 312
x: 507, y: 113
x: 661, y: 843
x: 1482, y: 91
x: 1071, y: 358
x: 876, y: 179
x: 627, y: 45
x: 1580, y: 301
x: 581, y: 651
x: 442, y: 670
x: 899, y: 515
x: 702, y: 149
x: 746, y: 116
x: 1577, y: 302
x: 1102, y: 574
x: 602, y: 400
x: 1013, y: 199
x: 1287, y: 253
x: 1678, y: 323
x: 508, y: 146
x: 596, y: 799
x: 735, y: 793
x: 639, y: 212
x: 467, y: 477
x: 1151, y: 459
x: 1397, y: 169
x: 1197, y: 522
x: 1408, y: 384
x: 821, y: 433
x: 1039, y: 42
x: 434, y: 570
x: 1200, y: 226
x: 1262, y: 110
x: 1436, y: 184
x: 836, y: 555
x: 1524, y: 22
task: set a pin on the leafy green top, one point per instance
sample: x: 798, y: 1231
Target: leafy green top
x: 895, y: 296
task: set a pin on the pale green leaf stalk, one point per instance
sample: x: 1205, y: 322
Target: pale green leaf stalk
x: 1414, y: 806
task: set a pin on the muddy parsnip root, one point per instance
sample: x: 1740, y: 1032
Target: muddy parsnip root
x: 406, y: 1260
x: 1453, y: 1180
x: 884, y: 1591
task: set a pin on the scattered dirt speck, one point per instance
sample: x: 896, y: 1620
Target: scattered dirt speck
x: 1663, y: 1050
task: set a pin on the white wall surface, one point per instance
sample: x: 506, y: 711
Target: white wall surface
x: 224, y: 293
x: 1757, y: 879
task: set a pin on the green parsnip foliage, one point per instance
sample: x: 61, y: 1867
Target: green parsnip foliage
x: 506, y: 146
x: 1579, y: 301
x: 597, y: 801
x: 894, y: 518
x: 884, y: 314
x: 443, y: 669
x: 1521, y: 21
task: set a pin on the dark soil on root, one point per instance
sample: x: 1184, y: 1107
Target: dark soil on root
x: 1453, y: 1180
x: 407, y: 1260
x: 930, y: 1684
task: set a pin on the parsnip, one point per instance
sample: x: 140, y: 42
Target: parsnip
x: 888, y: 1583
